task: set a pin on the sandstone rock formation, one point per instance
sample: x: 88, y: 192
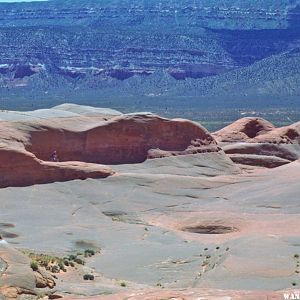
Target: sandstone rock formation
x: 266, y: 161
x: 255, y: 141
x: 189, y: 294
x: 22, y: 168
x: 16, y: 276
x: 178, y: 219
x: 84, y: 138
x: 87, y: 110
x: 245, y: 229
x: 253, y: 129
x: 244, y: 129
x: 124, y: 139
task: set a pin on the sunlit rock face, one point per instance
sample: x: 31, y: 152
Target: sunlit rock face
x: 255, y: 141
x: 71, y: 142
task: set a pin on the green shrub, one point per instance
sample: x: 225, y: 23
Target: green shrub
x: 89, y: 253
x: 88, y: 277
x: 79, y: 261
x: 72, y: 257
x: 123, y: 284
x: 34, y: 266
x: 66, y: 263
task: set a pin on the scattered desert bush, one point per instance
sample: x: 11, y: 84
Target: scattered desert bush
x: 34, y: 266
x: 88, y: 277
x: 89, y: 253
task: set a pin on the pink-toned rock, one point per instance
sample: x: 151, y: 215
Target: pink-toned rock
x: 123, y: 139
x: 255, y: 141
x: 289, y: 152
x: 190, y: 294
x: 243, y: 130
x: 266, y: 161
x: 82, y: 143
x: 258, y: 130
x: 22, y: 168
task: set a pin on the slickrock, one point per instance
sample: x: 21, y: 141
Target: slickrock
x: 88, y: 139
x: 84, y: 110
x: 178, y: 219
x: 190, y: 294
x: 17, y: 278
x: 285, y: 151
x: 266, y: 161
x: 21, y: 168
x: 258, y: 130
x: 250, y: 141
x: 244, y: 129
x: 123, y: 139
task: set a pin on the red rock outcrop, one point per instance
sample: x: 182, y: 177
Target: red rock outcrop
x: 124, y: 139
x: 82, y: 143
x: 258, y: 130
x: 255, y: 141
x: 22, y: 168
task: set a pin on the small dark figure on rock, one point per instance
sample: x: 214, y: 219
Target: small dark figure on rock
x: 54, y: 156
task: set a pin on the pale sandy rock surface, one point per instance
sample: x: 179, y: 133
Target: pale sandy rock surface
x: 192, y: 294
x: 266, y: 161
x: 255, y: 219
x: 87, y: 110
x: 188, y: 224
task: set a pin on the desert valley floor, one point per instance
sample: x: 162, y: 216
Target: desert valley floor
x: 166, y: 209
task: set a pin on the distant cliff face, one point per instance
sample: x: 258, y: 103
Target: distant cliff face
x: 147, y: 48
